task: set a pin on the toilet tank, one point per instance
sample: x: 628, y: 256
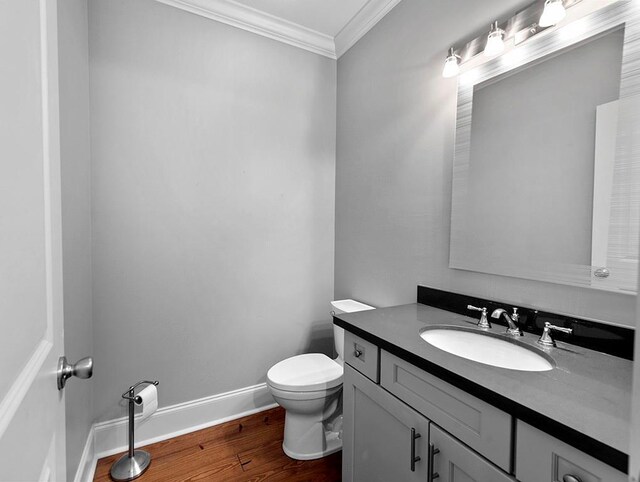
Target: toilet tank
x: 344, y: 306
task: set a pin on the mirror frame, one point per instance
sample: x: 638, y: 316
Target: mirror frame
x: 623, y: 13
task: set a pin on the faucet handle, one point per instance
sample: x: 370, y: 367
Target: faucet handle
x: 515, y: 317
x: 545, y: 338
x: 483, y: 322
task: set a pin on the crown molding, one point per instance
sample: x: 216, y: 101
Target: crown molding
x: 252, y: 20
x: 358, y: 26
x: 261, y: 23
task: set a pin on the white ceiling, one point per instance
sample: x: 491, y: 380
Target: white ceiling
x: 325, y: 27
x: 325, y: 16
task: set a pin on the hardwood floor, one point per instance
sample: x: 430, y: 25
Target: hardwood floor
x: 247, y: 449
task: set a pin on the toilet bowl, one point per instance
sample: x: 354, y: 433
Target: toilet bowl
x: 309, y: 388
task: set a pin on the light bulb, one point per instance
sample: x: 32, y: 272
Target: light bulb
x: 451, y: 65
x: 552, y: 14
x: 495, y: 41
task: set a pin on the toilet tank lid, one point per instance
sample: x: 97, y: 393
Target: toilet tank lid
x: 349, y: 306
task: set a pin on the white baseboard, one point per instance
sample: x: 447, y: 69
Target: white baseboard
x: 168, y: 422
x: 87, y: 465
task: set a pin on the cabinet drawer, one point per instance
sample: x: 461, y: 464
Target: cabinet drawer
x: 481, y: 426
x: 362, y: 355
x: 543, y: 458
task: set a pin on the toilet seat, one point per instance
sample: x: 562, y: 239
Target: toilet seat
x: 305, y: 373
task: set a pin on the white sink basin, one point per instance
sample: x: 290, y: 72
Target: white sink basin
x: 488, y: 348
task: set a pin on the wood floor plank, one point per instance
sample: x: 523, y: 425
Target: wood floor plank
x: 311, y: 471
x: 244, y: 450
x: 268, y: 457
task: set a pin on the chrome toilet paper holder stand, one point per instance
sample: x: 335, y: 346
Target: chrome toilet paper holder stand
x: 135, y: 462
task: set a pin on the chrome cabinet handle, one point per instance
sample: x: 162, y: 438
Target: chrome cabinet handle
x: 571, y: 478
x: 357, y: 353
x: 81, y: 369
x: 431, y: 475
x: 414, y: 459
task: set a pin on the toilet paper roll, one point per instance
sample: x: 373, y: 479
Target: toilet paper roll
x: 149, y: 396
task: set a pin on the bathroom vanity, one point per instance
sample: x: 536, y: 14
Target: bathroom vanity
x: 415, y: 412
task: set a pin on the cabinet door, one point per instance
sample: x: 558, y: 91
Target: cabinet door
x: 455, y: 462
x: 378, y: 434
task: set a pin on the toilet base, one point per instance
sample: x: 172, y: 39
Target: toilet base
x: 333, y: 444
x: 311, y: 437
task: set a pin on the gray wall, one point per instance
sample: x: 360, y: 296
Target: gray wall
x: 213, y: 155
x: 76, y: 216
x: 395, y: 137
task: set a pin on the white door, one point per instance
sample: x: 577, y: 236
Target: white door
x: 32, y: 444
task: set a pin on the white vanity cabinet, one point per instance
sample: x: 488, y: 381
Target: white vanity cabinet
x: 386, y: 440
x: 414, y: 426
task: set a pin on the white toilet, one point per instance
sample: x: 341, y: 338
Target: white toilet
x: 309, y: 388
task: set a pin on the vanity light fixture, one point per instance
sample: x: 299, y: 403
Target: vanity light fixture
x: 495, y: 41
x: 451, y: 64
x: 525, y: 24
x: 552, y: 14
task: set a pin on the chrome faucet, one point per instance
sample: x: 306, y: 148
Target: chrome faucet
x: 512, y: 320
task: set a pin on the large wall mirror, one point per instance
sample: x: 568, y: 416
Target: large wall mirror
x: 546, y: 181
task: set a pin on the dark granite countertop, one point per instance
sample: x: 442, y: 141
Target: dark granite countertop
x: 585, y: 400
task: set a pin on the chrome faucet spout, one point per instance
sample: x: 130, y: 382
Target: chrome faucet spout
x: 512, y: 321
